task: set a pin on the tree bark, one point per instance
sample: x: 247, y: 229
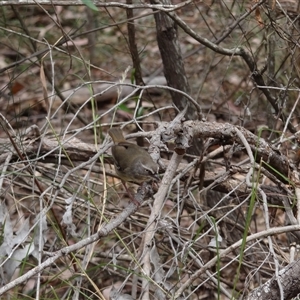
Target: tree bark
x: 290, y: 282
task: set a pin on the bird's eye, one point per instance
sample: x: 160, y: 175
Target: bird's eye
x: 146, y: 170
x: 150, y: 172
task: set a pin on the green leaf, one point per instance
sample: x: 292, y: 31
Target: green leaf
x: 123, y: 107
x: 140, y: 111
x: 90, y: 4
x: 132, y: 76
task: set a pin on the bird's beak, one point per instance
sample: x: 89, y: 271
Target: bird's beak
x: 156, y: 177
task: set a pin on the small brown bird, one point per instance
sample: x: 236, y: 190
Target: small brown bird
x: 132, y: 163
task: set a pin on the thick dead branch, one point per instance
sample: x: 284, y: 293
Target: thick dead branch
x: 76, y: 150
x: 276, y: 163
x: 290, y: 281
